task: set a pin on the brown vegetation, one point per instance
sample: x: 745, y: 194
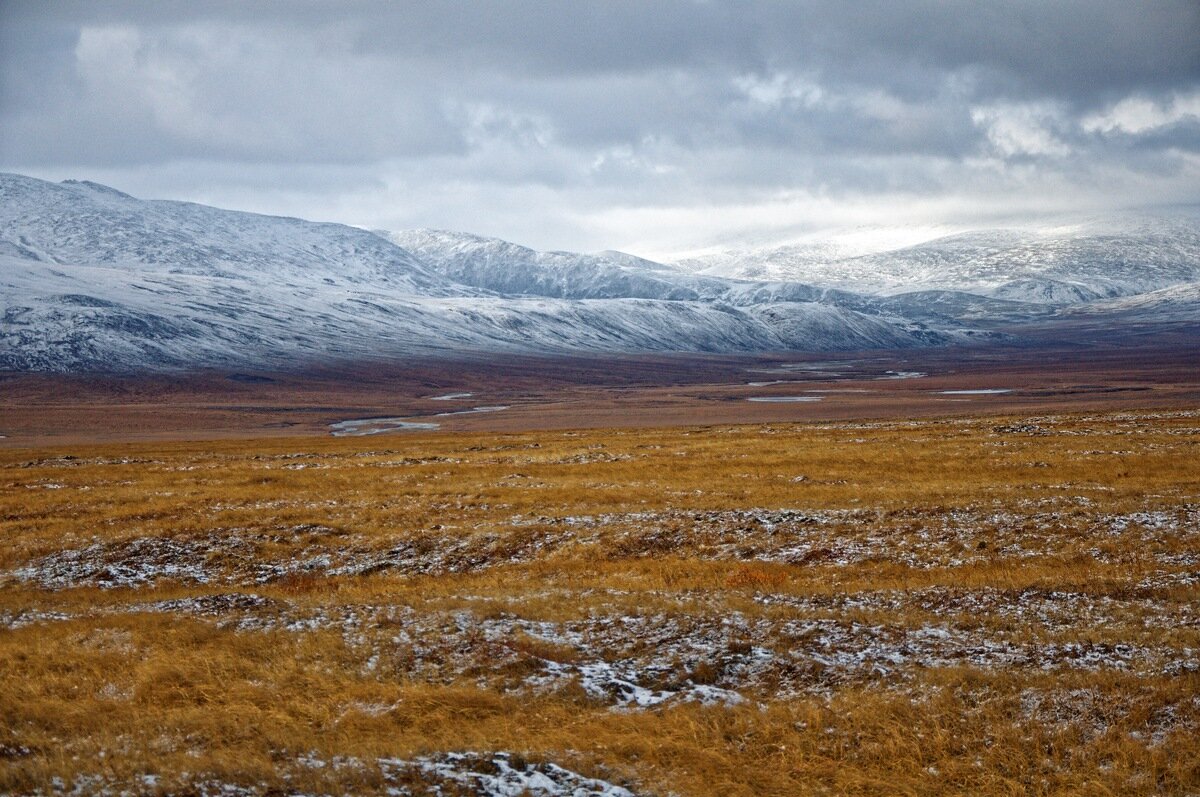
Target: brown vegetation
x: 1000, y: 605
x: 592, y: 392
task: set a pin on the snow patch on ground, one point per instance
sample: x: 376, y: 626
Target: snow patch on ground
x: 499, y: 775
x: 135, y: 563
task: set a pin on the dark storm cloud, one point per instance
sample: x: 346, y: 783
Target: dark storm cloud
x: 445, y: 113
x: 1075, y: 49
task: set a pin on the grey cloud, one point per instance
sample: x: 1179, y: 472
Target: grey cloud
x: 1182, y: 135
x: 138, y: 95
x: 405, y: 110
x: 1062, y: 47
x: 1072, y: 48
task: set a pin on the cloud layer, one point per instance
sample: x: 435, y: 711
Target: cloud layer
x: 656, y: 127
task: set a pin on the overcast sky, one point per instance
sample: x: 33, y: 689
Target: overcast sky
x: 655, y: 127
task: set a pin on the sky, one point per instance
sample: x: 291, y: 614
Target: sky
x: 661, y: 128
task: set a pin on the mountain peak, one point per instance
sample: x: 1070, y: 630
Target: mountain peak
x: 97, y: 188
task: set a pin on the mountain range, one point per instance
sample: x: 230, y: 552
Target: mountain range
x: 92, y: 279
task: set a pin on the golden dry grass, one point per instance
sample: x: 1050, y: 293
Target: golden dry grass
x: 983, y: 606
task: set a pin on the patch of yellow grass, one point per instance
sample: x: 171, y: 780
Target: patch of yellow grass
x: 392, y: 597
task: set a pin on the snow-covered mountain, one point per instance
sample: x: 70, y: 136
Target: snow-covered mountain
x: 1071, y: 262
x: 83, y: 223
x: 1177, y: 304
x: 770, y: 264
x: 496, y: 265
x: 94, y: 279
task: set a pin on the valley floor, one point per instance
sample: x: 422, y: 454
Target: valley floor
x: 515, y: 393
x: 1000, y: 603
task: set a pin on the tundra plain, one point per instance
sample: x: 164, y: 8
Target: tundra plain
x: 987, y: 602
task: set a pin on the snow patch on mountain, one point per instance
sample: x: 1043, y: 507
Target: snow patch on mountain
x: 1177, y: 304
x: 84, y: 224
x: 1081, y: 261
x: 503, y: 267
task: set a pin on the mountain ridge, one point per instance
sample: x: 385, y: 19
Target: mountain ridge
x: 96, y: 280
x: 1088, y: 259
x: 93, y: 279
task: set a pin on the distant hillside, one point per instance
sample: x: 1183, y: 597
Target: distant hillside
x: 94, y: 279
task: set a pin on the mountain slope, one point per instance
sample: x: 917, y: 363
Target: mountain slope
x: 93, y: 279
x: 1176, y: 304
x: 94, y: 318
x: 1081, y: 261
x: 82, y: 223
x: 496, y: 265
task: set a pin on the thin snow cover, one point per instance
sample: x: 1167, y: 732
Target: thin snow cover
x: 784, y: 399
x: 208, y: 605
x: 99, y: 280
x: 717, y: 657
x: 620, y: 684
x: 24, y: 617
x: 501, y: 775
x: 917, y: 538
x: 451, y: 397
x: 483, y: 774
x: 1067, y: 261
x: 144, y: 561
x: 135, y: 563
x: 366, y: 426
x: 991, y: 391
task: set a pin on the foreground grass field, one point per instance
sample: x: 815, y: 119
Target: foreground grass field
x: 978, y: 606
